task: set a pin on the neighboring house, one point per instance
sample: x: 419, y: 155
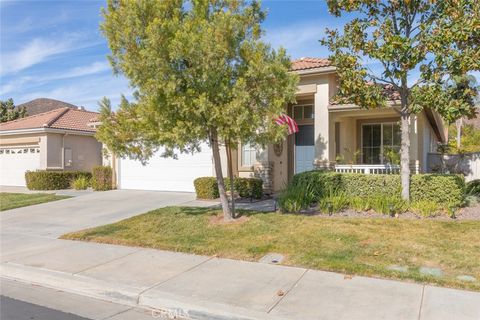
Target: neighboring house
x: 328, y: 131
x: 42, y: 105
x: 61, y: 139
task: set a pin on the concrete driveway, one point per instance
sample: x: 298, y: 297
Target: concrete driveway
x: 55, y: 218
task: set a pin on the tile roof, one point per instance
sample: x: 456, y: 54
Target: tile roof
x: 310, y: 63
x: 42, y: 105
x: 63, y: 118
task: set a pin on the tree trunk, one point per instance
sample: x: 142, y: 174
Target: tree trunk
x: 405, y: 154
x: 459, y: 134
x: 230, y: 176
x: 227, y: 214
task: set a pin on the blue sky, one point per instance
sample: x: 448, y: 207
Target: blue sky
x: 54, y: 49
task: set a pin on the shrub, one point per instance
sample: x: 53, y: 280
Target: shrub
x: 445, y: 190
x: 52, y: 180
x: 207, y: 187
x: 102, y: 178
x: 425, y: 208
x: 81, y: 183
x: 388, y: 204
x: 247, y: 187
x: 297, y: 197
x: 473, y: 188
x: 335, y: 202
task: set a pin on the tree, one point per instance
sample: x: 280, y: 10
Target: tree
x: 9, y: 112
x: 201, y: 74
x: 438, y: 39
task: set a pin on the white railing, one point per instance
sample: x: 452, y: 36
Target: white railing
x: 367, y: 168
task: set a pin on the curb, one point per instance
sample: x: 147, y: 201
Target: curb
x: 166, y: 303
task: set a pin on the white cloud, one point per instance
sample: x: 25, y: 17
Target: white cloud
x: 39, y: 50
x: 84, y: 93
x: 19, y: 82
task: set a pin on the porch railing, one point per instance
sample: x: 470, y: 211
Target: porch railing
x: 367, y: 168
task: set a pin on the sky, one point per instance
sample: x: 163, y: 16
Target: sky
x: 54, y: 49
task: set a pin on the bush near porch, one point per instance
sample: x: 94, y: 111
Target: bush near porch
x: 53, y: 180
x: 382, y: 192
x: 207, y: 187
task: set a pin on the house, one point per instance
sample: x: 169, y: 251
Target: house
x: 42, y: 105
x: 340, y: 136
x: 60, y: 139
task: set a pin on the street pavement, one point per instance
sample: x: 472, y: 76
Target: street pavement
x: 197, y: 287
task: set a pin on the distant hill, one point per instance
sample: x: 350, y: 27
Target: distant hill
x: 41, y: 105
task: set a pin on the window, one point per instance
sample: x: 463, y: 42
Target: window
x: 303, y: 112
x: 380, y: 143
x: 249, y: 155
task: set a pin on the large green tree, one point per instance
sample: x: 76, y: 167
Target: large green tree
x: 433, y: 41
x: 201, y: 74
x: 9, y: 112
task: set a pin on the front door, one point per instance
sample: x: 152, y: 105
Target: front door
x: 304, y: 148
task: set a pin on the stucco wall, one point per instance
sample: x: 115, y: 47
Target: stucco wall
x: 86, y: 151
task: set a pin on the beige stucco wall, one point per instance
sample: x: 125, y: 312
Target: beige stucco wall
x: 86, y: 151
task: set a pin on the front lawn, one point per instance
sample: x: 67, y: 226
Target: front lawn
x: 16, y: 200
x: 349, y: 245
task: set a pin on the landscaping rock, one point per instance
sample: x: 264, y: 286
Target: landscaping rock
x: 468, y: 278
x: 272, y: 258
x: 426, y: 271
x: 398, y: 268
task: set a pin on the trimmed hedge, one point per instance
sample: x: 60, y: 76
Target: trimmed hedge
x: 207, y: 188
x: 439, y: 188
x: 53, y: 180
x: 101, y: 178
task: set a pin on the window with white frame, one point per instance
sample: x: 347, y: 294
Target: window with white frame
x: 249, y: 155
x: 380, y: 142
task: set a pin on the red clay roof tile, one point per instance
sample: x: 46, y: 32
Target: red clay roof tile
x: 63, y: 118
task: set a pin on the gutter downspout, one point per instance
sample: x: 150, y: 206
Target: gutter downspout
x: 63, y: 150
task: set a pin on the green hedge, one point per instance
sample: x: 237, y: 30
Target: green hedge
x: 52, y: 180
x: 446, y: 190
x: 207, y: 188
x: 101, y: 178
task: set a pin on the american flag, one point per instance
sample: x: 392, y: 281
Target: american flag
x: 291, y: 124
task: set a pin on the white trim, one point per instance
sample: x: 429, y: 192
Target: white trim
x: 313, y: 71
x: 46, y: 130
x: 352, y: 106
x: 381, y: 138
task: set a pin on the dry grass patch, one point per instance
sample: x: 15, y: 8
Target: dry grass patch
x: 353, y: 246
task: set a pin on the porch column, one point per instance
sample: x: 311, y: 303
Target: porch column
x: 415, y: 133
x: 322, y: 125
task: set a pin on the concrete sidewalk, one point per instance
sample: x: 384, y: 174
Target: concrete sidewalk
x: 201, y: 287
x: 197, y: 287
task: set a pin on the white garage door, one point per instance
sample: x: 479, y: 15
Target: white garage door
x: 14, y: 162
x: 166, y: 174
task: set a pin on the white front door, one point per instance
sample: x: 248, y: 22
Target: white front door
x: 304, y: 148
x: 166, y: 174
x: 15, y: 161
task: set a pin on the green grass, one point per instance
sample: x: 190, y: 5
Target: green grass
x: 16, y: 200
x: 353, y: 246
